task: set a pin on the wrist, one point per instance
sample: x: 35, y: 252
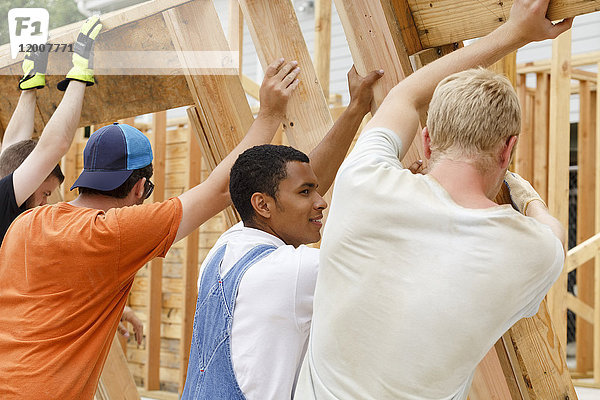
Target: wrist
x: 269, y: 116
x: 511, y: 35
x: 534, y: 206
x: 358, y: 109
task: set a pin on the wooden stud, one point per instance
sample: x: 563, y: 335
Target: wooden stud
x: 236, y: 31
x: 540, y: 134
x: 583, y: 252
x: 116, y: 381
x: 507, y: 66
x: 219, y: 97
x: 583, y: 76
x: 323, y: 43
x: 222, y: 115
x: 307, y: 119
x: 558, y: 166
x: 190, y: 273
x: 446, y: 21
x: 250, y: 87
x: 402, y: 23
x: 584, y: 312
x: 544, y: 65
x: 597, y: 258
x: 586, y: 181
x: 69, y: 167
x: 375, y: 41
x: 524, y: 151
x: 211, y: 154
x: 486, y: 384
x: 154, y: 293
x: 538, y: 358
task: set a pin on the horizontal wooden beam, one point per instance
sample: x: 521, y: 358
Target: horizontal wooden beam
x: 137, y: 28
x: 250, y: 87
x: 577, y: 60
x: 582, y: 75
x: 580, y: 308
x: 441, y: 22
x: 583, y: 252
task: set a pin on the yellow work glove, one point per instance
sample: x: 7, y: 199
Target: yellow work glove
x: 34, y: 70
x: 83, y: 54
x: 521, y: 191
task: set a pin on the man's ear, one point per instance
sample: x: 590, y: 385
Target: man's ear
x: 262, y: 204
x: 138, y: 189
x: 426, y: 143
x: 507, y: 151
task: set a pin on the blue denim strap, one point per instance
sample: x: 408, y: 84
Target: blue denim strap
x: 231, y: 280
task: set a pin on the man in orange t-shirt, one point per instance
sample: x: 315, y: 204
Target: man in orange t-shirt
x: 66, y: 269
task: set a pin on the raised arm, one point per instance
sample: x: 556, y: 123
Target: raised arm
x: 58, y: 133
x: 211, y: 196
x: 53, y: 144
x: 326, y: 158
x: 400, y: 109
x: 20, y: 126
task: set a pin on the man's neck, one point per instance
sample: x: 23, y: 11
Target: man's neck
x: 97, y: 202
x: 466, y: 184
x: 262, y: 226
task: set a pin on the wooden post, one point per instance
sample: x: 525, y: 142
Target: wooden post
x: 540, y: 142
x: 486, y: 384
x: 222, y: 113
x: 152, y: 378
x: 307, y: 119
x: 378, y: 39
x: 116, y: 381
x: 597, y: 258
x: 69, y: 167
x: 190, y: 270
x: 507, y: 66
x: 323, y: 43
x: 524, y: 150
x: 586, y: 182
x: 558, y: 166
x: 236, y: 31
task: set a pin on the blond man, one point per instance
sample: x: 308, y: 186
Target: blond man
x: 421, y: 274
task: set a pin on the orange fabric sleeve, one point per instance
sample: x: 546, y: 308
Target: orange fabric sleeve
x: 145, y: 231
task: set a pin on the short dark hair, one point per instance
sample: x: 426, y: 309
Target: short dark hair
x: 14, y: 155
x: 122, y: 191
x: 260, y: 169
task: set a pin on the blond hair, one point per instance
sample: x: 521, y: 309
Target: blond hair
x: 471, y: 115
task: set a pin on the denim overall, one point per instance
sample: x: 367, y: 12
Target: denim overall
x: 210, y: 373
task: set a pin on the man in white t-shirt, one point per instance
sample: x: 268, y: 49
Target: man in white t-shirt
x: 256, y: 286
x: 421, y: 274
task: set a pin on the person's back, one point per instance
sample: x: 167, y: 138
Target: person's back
x: 64, y: 296
x: 396, y: 314
x: 420, y: 275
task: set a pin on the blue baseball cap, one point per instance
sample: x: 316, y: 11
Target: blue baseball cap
x: 110, y: 156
